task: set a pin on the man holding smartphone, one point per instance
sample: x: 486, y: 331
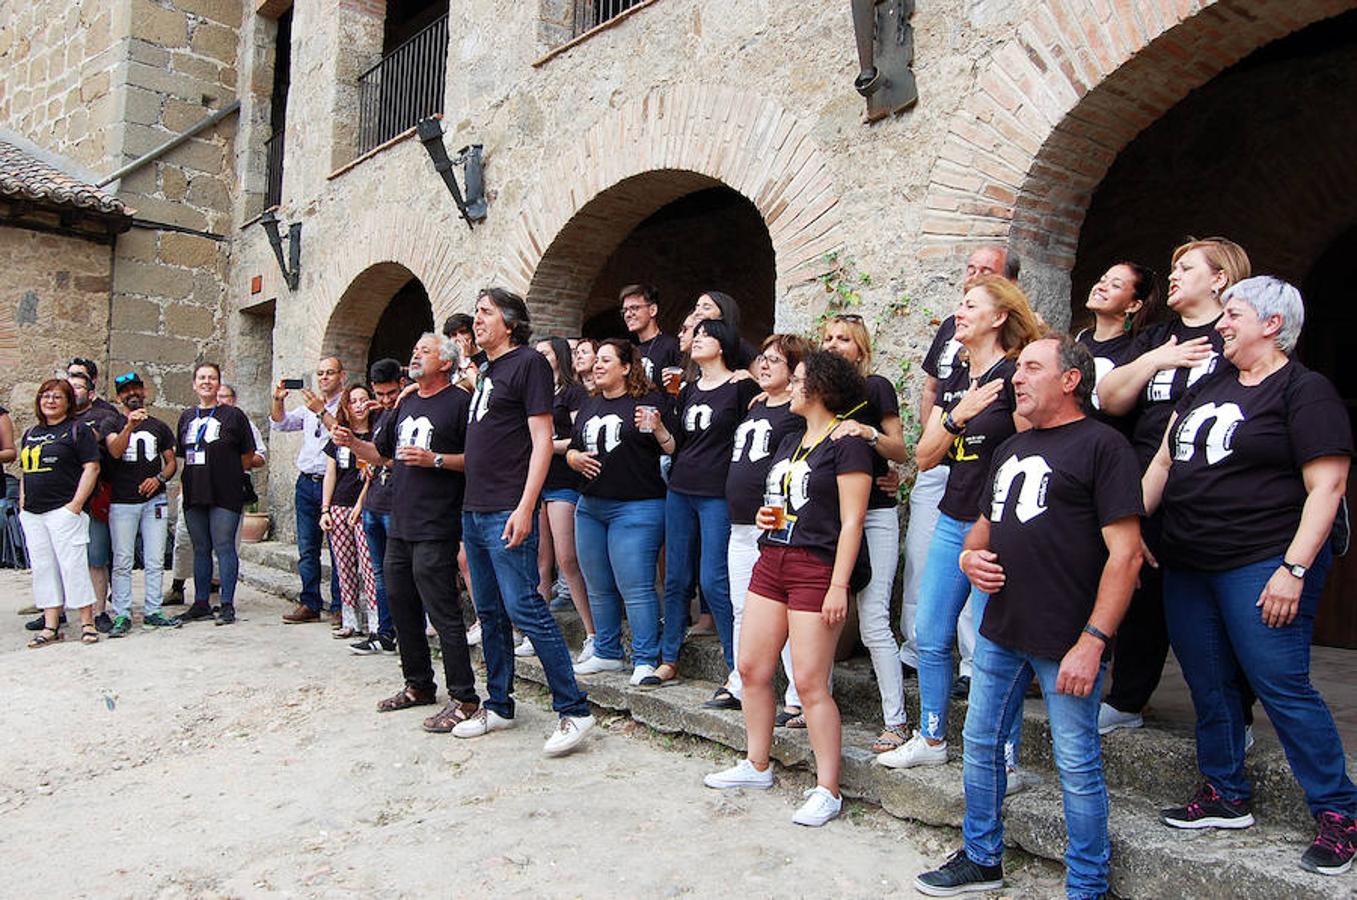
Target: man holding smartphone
x: 313, y: 419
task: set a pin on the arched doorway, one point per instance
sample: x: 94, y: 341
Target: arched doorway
x: 1246, y: 157
x: 382, y: 313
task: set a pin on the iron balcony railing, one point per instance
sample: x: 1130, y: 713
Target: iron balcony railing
x: 593, y: 13
x: 273, y: 192
x: 406, y: 86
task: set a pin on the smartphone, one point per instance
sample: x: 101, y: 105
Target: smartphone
x: 293, y: 384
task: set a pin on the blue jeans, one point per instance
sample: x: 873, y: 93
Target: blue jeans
x: 125, y: 520
x: 618, y: 544
x: 309, y: 541
x: 998, y: 681
x: 1217, y: 632
x: 504, y: 587
x: 375, y: 528
x: 694, y: 525
x: 213, y: 530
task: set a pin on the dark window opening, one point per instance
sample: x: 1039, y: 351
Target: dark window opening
x: 407, y: 84
x: 282, y: 79
x: 406, y: 318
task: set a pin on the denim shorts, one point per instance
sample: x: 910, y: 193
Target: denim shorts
x: 99, y: 552
x: 561, y: 495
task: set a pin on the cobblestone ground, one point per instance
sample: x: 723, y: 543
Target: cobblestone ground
x: 249, y: 760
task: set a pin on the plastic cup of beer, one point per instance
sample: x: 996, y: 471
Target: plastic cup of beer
x: 776, y: 505
x: 673, y: 379
x: 646, y: 422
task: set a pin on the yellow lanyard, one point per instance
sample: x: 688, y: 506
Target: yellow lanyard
x: 787, y: 475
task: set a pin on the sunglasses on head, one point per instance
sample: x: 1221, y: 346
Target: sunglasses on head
x: 847, y: 317
x: 126, y: 378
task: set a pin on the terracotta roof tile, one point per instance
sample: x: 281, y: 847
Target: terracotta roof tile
x: 23, y: 177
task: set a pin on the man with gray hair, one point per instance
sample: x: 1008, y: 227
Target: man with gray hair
x: 425, y: 452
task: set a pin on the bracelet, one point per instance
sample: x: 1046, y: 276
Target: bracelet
x: 160, y: 477
x: 1090, y: 629
x: 952, y: 426
x: 324, y: 510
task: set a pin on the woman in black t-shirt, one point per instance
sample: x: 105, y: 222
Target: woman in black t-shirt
x: 697, y: 522
x: 801, y: 582
x: 59, y: 461
x: 1250, y: 476
x: 341, y: 516
x: 878, y: 423
x: 1162, y: 362
x: 1124, y: 302
x: 619, y: 520
x: 561, y: 491
x: 973, y: 415
x: 217, y: 446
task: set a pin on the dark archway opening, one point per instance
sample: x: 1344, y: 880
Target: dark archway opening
x: 407, y: 316
x: 711, y: 239
x: 1260, y: 154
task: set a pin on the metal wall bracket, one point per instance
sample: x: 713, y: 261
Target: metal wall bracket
x: 885, y: 43
x: 292, y: 274
x: 473, y: 205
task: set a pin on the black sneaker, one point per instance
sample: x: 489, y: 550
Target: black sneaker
x: 103, y: 622
x: 195, y: 613
x: 1331, y: 853
x: 373, y: 643
x: 1208, y: 809
x: 961, y: 688
x: 960, y: 876
x: 226, y: 614
x: 40, y: 623
x: 175, y: 597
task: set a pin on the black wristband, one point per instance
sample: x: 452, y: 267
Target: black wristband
x: 1090, y: 629
x: 951, y: 425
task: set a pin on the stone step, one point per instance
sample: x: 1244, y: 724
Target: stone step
x: 1148, y: 859
x: 281, y: 556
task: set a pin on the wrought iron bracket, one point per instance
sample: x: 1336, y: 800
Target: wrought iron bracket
x: 291, y: 273
x: 472, y: 206
x: 885, y: 44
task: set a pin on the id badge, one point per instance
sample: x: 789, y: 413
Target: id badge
x: 197, y: 457
x: 783, y: 535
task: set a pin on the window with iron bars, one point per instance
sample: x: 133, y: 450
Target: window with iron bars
x: 406, y: 86
x: 593, y: 13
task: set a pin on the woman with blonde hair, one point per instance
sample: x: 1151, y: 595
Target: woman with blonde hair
x: 1163, y: 362
x: 973, y: 415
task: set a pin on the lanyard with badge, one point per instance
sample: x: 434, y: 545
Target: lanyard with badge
x: 197, y: 454
x: 783, y: 535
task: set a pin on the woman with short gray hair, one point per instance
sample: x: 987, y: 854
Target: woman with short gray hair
x: 1250, y: 475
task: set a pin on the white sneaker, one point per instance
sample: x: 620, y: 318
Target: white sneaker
x: 482, y: 721
x: 914, y: 752
x: 1020, y: 780
x: 819, y: 808
x: 641, y: 672
x: 741, y: 775
x: 586, y: 649
x: 524, y: 648
x: 567, y: 735
x: 473, y: 635
x: 1110, y: 719
x: 595, y: 664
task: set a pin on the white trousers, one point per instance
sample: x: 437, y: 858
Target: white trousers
x: 882, y: 534
x: 56, y: 543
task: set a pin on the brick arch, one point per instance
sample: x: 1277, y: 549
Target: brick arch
x: 672, y: 141
x: 1056, y: 104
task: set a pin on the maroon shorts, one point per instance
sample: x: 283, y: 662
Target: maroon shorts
x: 791, y: 575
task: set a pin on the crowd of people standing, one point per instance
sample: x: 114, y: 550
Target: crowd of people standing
x: 1168, y: 478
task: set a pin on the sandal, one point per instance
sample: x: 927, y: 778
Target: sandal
x: 46, y: 637
x: 345, y: 634
x: 796, y: 721
x: 89, y: 634
x: 407, y: 698
x: 890, y: 739
x: 450, y: 716
x: 665, y: 676
x: 785, y: 715
x: 722, y: 699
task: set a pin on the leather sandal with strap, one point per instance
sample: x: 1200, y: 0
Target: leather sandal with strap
x: 407, y: 698
x: 89, y: 634
x: 45, y: 638
x: 890, y: 739
x: 450, y: 716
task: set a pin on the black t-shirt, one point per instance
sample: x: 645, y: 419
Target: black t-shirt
x: 567, y: 401
x: 426, y: 503
x: 1107, y: 355
x: 1234, y: 492
x: 511, y: 388
x: 941, y: 355
x: 811, y: 485
x: 1167, y: 387
x: 630, y: 458
x: 348, y: 474
x: 1048, y: 496
x: 141, y: 460
x: 706, y: 435
x: 211, y: 442
x: 882, y: 403
x: 52, y: 458
x: 657, y: 354
x: 756, y: 440
x: 970, y: 454
x: 378, y: 499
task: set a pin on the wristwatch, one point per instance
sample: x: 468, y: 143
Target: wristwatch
x: 876, y: 436
x: 438, y: 460
x: 1295, y: 569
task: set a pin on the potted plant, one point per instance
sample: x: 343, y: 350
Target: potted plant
x: 255, y: 525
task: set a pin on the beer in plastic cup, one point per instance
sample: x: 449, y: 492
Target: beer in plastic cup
x: 777, y: 505
x: 672, y: 378
x: 647, y: 428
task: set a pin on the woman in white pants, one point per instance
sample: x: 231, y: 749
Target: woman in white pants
x: 59, y: 459
x: 878, y: 423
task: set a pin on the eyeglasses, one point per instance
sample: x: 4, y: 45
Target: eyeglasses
x: 769, y: 358
x: 52, y: 396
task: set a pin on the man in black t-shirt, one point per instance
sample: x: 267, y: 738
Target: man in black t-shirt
x: 508, y: 450
x: 422, y: 440
x: 1057, y: 548
x: 659, y: 351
